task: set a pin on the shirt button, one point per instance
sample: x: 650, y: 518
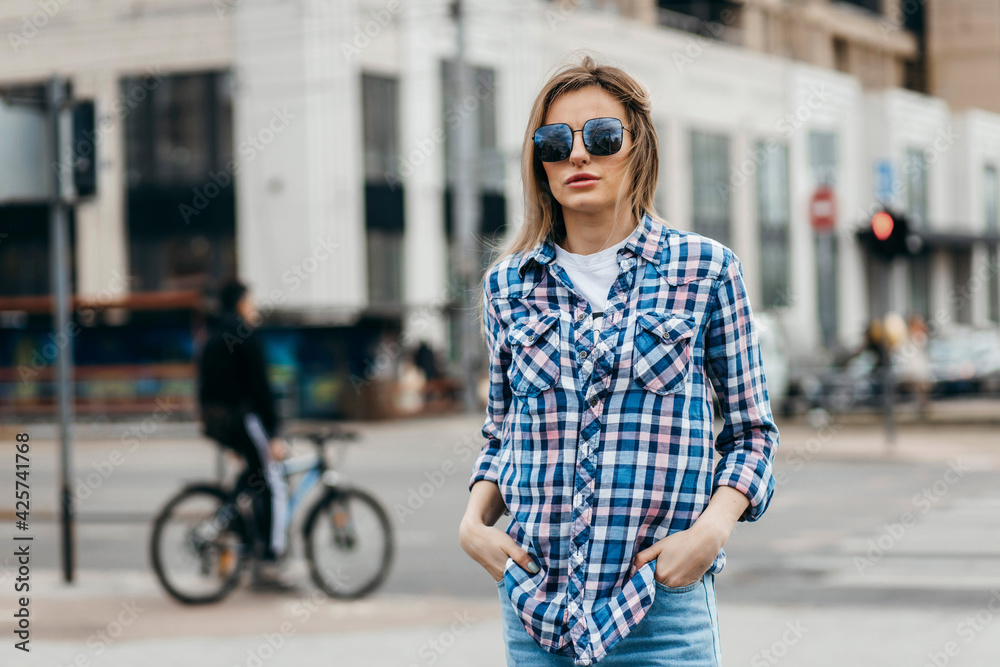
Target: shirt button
x: 580, y: 316
x: 593, y: 401
x: 583, y: 355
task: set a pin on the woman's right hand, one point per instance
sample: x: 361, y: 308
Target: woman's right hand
x: 485, y: 544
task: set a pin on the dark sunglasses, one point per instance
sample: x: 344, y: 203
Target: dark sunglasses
x: 601, y: 136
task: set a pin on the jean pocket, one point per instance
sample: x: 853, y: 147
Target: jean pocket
x: 534, y: 343
x: 680, y: 589
x: 661, y: 355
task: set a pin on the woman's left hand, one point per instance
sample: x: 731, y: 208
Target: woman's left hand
x: 682, y: 557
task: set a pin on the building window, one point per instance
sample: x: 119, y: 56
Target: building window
x: 712, y: 19
x: 961, y: 263
x: 24, y: 250
x: 841, y: 55
x: 823, y: 163
x: 773, y: 216
x: 991, y: 201
x: 181, y: 207
x: 874, y: 6
x: 823, y: 157
x: 384, y: 201
x: 915, y: 169
x: 920, y: 285
x: 381, y: 142
x: 480, y: 109
x: 710, y: 185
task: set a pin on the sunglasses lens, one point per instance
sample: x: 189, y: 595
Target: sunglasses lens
x: 602, y: 136
x: 553, y: 142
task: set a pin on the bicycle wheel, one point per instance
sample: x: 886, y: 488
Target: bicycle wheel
x: 199, y: 545
x: 348, y: 541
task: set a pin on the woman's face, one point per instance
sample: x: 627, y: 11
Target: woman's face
x: 595, y: 195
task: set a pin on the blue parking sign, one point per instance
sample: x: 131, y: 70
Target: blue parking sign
x: 883, y: 181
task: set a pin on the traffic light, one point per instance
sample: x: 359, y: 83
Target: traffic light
x: 84, y: 145
x: 888, y: 235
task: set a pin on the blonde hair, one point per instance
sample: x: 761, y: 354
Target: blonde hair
x: 542, y: 213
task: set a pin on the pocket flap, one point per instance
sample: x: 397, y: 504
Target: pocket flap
x: 528, y: 330
x: 668, y: 326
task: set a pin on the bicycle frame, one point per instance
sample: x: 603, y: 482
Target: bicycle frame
x: 316, y: 471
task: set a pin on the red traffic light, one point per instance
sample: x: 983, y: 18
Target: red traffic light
x: 882, y: 224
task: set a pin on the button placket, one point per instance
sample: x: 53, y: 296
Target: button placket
x: 595, y: 370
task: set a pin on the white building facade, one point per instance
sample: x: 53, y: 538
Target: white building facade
x: 340, y: 115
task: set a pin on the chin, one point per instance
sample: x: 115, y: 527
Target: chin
x: 585, y: 203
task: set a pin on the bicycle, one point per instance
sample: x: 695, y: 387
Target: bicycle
x: 205, y: 536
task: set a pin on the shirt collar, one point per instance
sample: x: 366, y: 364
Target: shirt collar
x: 646, y: 239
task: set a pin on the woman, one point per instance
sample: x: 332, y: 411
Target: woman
x: 599, y: 429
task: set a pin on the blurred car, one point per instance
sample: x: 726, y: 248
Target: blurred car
x: 966, y: 361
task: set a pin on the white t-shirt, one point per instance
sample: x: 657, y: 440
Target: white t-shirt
x: 592, y: 275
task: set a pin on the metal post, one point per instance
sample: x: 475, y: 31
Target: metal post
x: 888, y: 388
x: 63, y: 334
x: 465, y: 209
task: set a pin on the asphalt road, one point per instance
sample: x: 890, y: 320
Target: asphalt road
x: 854, y: 533
x: 831, y: 520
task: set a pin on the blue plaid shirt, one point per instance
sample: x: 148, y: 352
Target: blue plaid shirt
x: 601, y: 448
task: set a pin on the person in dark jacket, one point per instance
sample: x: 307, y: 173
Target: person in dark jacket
x: 238, y: 410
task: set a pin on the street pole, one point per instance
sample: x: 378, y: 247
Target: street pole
x: 465, y: 213
x: 888, y: 388
x: 59, y: 258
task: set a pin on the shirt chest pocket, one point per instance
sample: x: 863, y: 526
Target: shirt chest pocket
x: 661, y: 356
x: 534, y: 346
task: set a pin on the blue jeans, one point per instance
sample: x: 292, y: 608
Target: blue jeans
x: 680, y: 629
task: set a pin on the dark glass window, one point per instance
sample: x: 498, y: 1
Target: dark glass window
x: 710, y: 185
x: 774, y: 219
x: 384, y: 200
x: 181, y: 196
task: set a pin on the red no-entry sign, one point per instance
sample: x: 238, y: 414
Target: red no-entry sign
x: 822, y: 209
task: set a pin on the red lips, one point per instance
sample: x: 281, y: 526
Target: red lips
x: 581, y: 176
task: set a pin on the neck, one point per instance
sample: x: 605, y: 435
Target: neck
x: 587, y: 233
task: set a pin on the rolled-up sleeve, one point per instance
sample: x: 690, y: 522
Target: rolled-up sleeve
x: 499, y: 399
x: 749, y: 437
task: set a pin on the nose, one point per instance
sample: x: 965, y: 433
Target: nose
x: 578, y: 155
